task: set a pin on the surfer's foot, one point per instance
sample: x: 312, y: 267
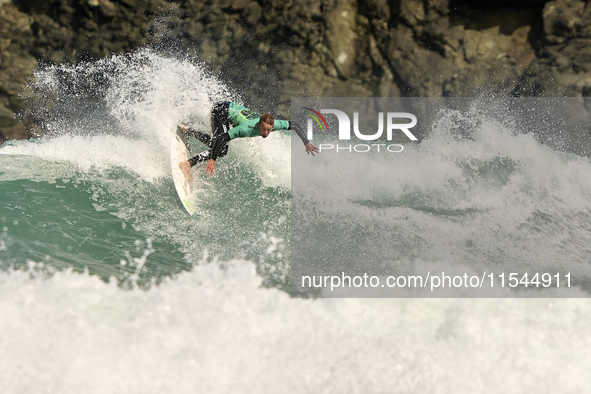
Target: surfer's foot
x: 186, y: 169
x: 182, y: 128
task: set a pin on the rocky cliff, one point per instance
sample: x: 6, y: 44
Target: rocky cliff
x: 271, y: 50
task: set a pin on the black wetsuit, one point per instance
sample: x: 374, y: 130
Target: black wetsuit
x: 219, y: 125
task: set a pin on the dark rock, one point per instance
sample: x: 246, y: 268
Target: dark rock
x: 16, y: 66
x: 271, y: 50
x: 562, y: 67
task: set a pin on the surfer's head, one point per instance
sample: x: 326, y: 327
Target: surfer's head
x: 265, y: 125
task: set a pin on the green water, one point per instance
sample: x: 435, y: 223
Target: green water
x: 116, y: 224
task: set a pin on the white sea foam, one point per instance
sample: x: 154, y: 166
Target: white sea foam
x: 497, y: 199
x: 216, y: 330
x: 269, y: 159
x: 99, y: 152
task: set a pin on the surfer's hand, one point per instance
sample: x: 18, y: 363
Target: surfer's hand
x: 311, y: 148
x: 210, y: 169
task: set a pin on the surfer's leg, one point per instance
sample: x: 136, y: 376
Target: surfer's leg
x: 193, y: 161
x: 219, y: 125
x: 219, y: 119
x: 201, y: 136
x: 189, y: 131
x: 201, y: 157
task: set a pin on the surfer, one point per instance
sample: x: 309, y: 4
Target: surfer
x: 229, y: 121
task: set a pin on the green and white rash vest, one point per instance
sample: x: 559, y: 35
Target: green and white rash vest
x: 244, y: 122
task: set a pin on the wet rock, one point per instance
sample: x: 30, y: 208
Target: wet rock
x: 271, y: 50
x: 107, y: 8
x: 341, y: 38
x: 562, y: 67
x: 16, y: 66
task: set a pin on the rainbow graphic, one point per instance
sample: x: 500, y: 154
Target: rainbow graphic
x: 316, y: 115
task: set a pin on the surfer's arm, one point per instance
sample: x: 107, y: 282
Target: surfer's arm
x: 295, y: 127
x: 310, y: 148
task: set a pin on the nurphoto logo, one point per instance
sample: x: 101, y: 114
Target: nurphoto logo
x: 392, y: 120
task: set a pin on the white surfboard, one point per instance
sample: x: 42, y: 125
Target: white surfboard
x: 178, y: 154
